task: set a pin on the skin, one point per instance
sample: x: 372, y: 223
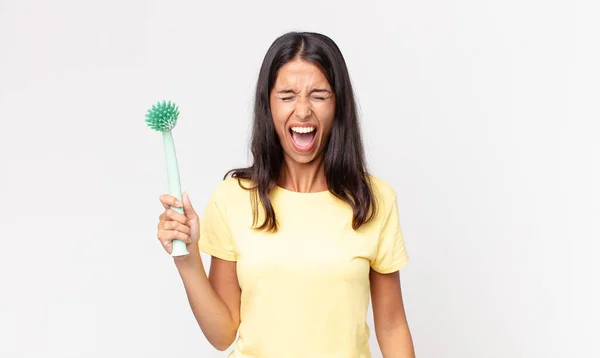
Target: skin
x: 214, y: 300
x: 301, y: 96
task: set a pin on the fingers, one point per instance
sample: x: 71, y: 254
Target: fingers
x: 187, y: 204
x: 169, y: 200
x: 167, y: 236
x: 171, y: 214
x: 174, y: 225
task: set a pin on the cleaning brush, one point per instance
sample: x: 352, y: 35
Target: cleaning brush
x: 162, y: 117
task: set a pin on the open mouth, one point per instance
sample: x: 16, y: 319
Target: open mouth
x: 303, y: 138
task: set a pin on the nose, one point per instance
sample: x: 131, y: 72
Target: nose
x: 302, y: 110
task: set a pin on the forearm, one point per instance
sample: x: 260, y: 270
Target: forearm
x: 395, y: 342
x: 210, y: 311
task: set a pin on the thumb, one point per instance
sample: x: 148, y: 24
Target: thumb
x: 188, y: 208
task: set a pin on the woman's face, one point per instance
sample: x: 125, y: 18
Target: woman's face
x: 303, y: 109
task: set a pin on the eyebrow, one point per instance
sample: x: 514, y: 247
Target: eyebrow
x: 286, y: 91
x: 319, y: 90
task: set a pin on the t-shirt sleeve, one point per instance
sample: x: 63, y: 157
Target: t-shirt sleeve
x: 391, y: 253
x: 215, y: 233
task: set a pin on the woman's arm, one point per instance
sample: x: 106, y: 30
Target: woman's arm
x: 215, y: 301
x: 391, y: 326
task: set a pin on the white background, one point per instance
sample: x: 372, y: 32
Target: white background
x: 482, y: 114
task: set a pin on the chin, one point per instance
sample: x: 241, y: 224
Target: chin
x: 301, y: 158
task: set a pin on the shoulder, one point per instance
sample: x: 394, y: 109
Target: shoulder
x: 231, y: 189
x: 382, y: 189
x: 232, y: 184
x: 385, y: 194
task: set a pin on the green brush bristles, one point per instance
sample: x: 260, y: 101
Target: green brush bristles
x: 163, y: 116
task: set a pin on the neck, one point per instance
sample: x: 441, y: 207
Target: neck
x: 304, y: 178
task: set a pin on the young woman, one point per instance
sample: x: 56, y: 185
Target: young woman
x: 301, y: 237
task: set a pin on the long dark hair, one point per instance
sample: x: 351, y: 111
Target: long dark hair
x: 344, y: 162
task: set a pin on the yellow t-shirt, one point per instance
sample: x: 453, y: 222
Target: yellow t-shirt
x: 305, y: 289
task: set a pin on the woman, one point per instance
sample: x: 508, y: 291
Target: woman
x: 299, y: 239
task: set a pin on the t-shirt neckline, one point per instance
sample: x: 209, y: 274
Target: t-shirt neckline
x: 300, y: 193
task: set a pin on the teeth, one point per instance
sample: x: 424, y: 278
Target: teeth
x: 303, y: 129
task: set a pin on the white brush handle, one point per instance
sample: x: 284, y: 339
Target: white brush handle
x: 179, y: 247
